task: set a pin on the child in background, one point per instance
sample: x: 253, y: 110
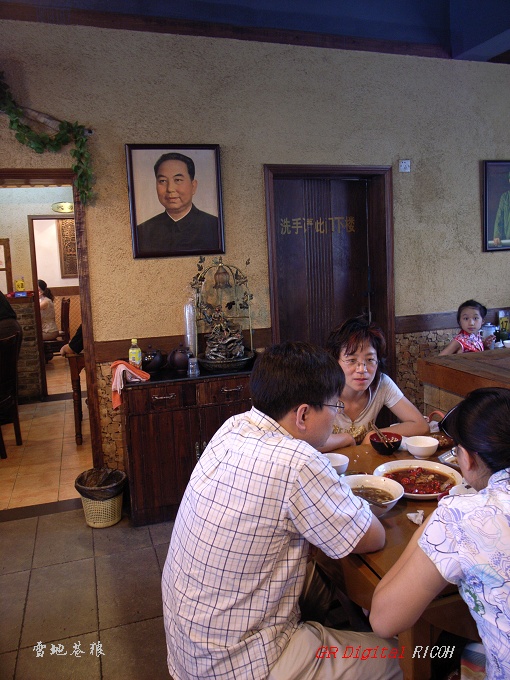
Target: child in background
x: 470, y: 316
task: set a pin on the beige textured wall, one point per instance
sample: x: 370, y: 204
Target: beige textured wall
x: 265, y: 103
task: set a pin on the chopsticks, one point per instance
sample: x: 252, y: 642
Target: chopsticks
x: 382, y: 437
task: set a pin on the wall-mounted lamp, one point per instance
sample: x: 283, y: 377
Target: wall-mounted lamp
x: 63, y: 207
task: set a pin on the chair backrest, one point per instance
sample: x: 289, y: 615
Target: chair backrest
x: 8, y: 367
x: 64, y: 319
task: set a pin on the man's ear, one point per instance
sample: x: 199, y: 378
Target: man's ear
x: 302, y: 415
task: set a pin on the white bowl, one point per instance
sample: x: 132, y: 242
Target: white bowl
x: 338, y: 461
x: 506, y: 343
x: 389, y: 485
x: 422, y: 447
x: 397, y: 465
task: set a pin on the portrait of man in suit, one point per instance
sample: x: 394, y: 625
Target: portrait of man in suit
x: 183, y: 227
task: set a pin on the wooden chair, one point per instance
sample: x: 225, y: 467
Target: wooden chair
x: 9, y: 388
x: 52, y: 347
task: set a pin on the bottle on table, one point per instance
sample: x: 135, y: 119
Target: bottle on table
x: 135, y: 354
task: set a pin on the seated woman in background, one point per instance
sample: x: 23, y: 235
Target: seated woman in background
x: 466, y: 540
x: 49, y: 326
x: 359, y: 347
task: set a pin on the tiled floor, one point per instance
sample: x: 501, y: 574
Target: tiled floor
x: 44, y: 467
x: 65, y: 587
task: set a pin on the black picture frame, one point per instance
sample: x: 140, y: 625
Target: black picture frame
x: 496, y: 206
x: 201, y: 231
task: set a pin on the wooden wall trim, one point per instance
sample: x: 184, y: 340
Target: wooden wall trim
x: 65, y: 290
x: 111, y: 350
x: 417, y: 323
x: 115, y: 20
x: 34, y: 177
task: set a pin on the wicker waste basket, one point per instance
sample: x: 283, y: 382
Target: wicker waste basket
x: 101, y: 496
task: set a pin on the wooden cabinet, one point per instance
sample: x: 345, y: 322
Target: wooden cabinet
x: 167, y: 426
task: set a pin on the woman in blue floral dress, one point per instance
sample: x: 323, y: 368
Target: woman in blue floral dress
x: 467, y: 538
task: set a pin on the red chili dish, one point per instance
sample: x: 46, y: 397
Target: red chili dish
x: 417, y: 480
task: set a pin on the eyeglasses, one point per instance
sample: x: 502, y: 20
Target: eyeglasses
x: 339, y: 406
x: 443, y: 424
x: 369, y: 363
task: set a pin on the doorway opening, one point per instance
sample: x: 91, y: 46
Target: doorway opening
x: 47, y: 264
x: 28, y: 179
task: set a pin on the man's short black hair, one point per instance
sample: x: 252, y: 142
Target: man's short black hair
x: 176, y: 157
x: 294, y: 373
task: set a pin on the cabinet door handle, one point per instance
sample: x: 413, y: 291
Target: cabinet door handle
x: 226, y: 390
x: 197, y: 451
x: 167, y: 396
x: 204, y: 444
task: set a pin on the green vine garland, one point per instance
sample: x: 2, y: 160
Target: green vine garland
x: 40, y: 142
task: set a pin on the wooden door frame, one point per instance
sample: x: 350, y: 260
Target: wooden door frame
x: 30, y: 177
x: 380, y: 237
x: 35, y: 277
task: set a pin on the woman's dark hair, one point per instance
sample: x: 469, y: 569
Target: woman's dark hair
x: 46, y: 291
x: 294, y: 373
x: 352, y: 334
x: 481, y: 424
x: 475, y: 305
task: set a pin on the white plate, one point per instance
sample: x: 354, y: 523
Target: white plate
x: 393, y: 465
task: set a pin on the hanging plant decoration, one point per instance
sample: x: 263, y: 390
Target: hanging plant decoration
x: 40, y: 142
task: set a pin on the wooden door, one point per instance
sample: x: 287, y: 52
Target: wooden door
x: 330, y: 250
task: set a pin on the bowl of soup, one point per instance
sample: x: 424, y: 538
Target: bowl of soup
x: 382, y: 493
x: 421, y: 479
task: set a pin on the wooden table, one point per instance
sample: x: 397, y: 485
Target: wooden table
x: 461, y: 373
x: 76, y: 365
x: 358, y: 575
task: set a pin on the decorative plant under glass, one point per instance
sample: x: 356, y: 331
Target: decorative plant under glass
x: 223, y: 314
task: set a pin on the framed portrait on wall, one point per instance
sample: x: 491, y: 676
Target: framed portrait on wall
x: 175, y: 200
x: 496, y: 206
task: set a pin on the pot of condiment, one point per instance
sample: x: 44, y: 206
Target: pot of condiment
x: 178, y: 359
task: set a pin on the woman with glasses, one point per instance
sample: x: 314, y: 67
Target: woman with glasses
x: 360, y: 347
x: 466, y: 540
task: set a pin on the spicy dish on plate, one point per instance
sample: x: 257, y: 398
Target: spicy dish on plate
x: 422, y: 480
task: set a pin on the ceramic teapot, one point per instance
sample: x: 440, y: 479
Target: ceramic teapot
x: 178, y: 359
x: 488, y: 329
x: 152, y: 360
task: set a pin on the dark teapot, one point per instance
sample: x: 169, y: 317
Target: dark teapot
x: 178, y: 359
x: 152, y: 360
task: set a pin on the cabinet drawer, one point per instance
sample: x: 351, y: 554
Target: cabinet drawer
x: 223, y: 390
x: 148, y: 399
